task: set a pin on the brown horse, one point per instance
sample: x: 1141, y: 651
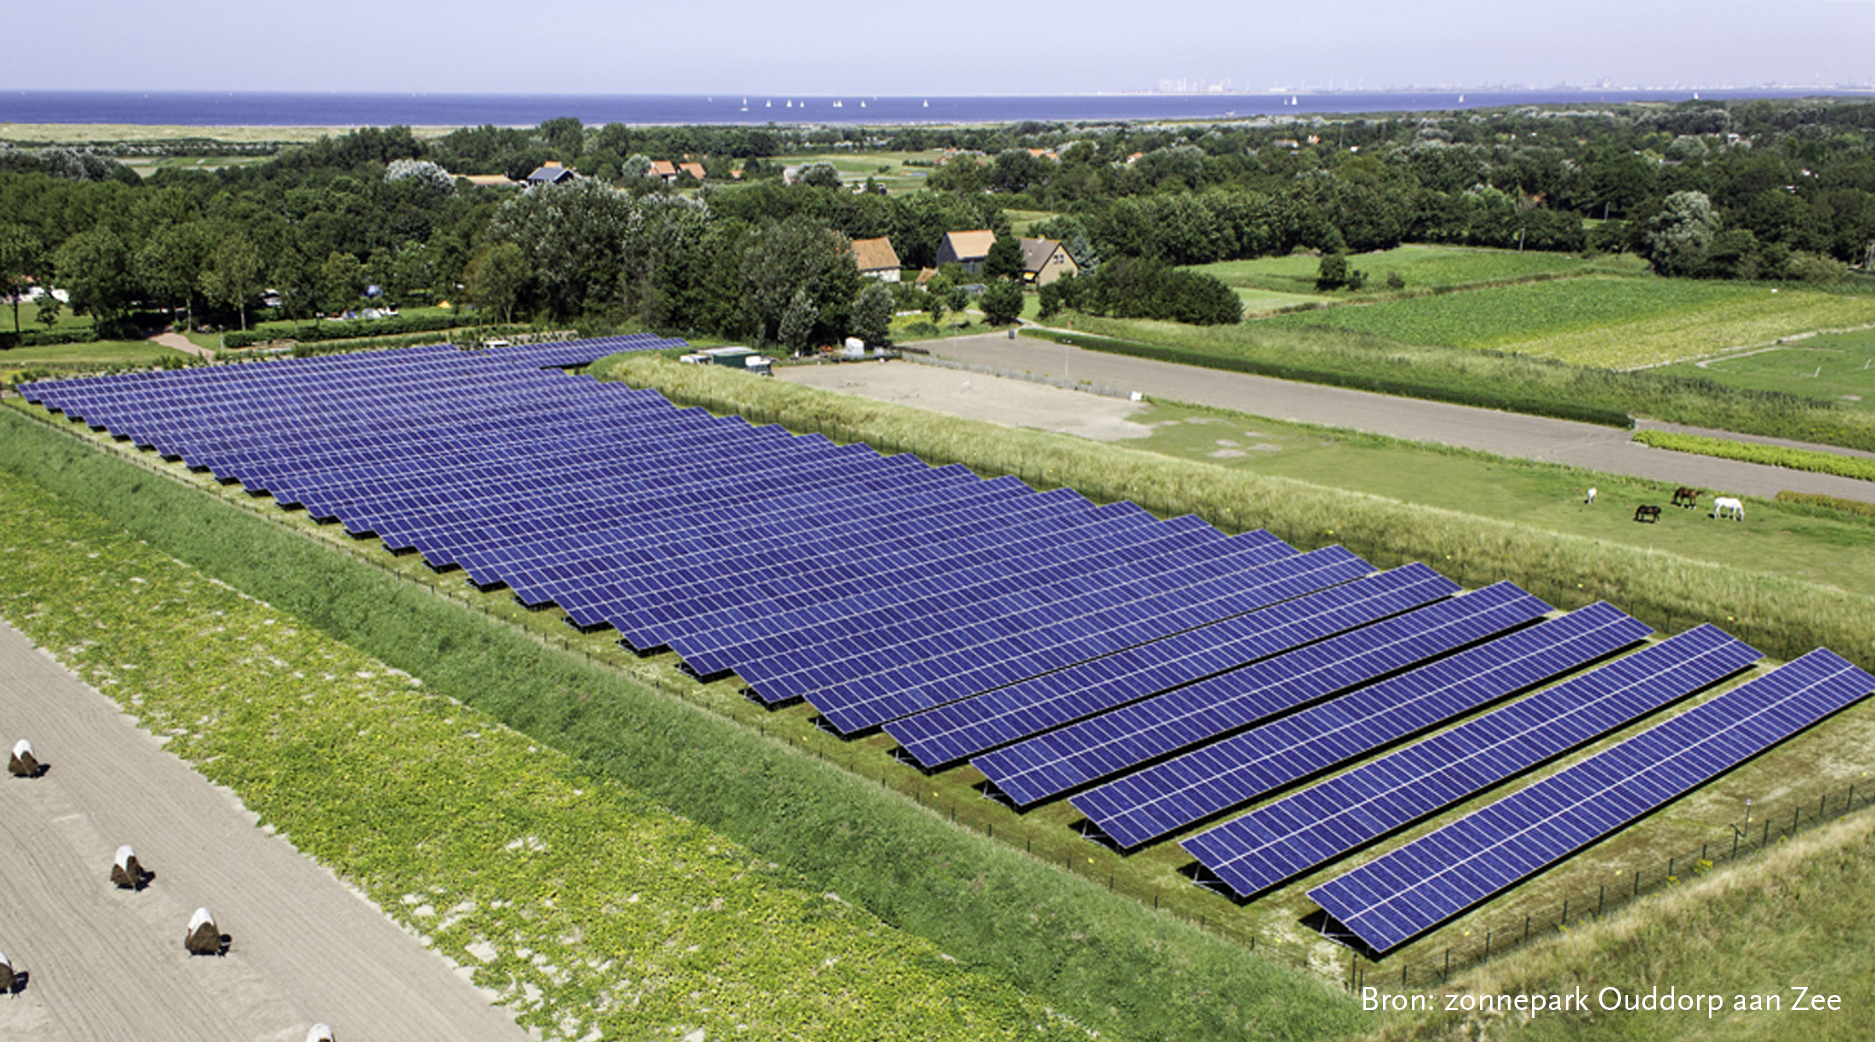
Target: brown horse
x: 1687, y: 497
x: 1649, y: 514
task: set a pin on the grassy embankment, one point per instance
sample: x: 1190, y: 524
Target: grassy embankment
x: 1109, y: 963
x: 1492, y: 379
x: 583, y: 905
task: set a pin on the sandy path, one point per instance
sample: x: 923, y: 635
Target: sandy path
x: 1503, y: 433
x: 107, y: 965
x: 178, y: 342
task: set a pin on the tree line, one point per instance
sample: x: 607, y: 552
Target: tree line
x: 1734, y: 190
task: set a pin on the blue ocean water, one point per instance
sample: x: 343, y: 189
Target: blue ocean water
x: 454, y: 110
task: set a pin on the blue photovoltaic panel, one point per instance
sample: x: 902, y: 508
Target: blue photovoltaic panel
x: 1274, y: 844
x: 984, y: 648
x: 1402, y: 894
x: 1138, y: 808
x: 1081, y: 754
x: 1293, y: 605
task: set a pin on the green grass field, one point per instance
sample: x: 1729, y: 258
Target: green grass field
x: 95, y: 353
x: 1423, y: 267
x: 1784, y: 539
x: 1600, y: 321
x: 1837, y: 367
x: 1617, y: 323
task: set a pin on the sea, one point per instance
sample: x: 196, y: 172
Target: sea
x: 204, y: 108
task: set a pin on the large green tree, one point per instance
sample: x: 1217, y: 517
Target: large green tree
x: 94, y: 268
x: 495, y: 278
x: 233, y: 275
x: 19, y: 263
x: 872, y: 313
x: 784, y: 257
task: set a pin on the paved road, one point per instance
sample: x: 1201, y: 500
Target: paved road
x: 108, y: 965
x: 1505, y: 434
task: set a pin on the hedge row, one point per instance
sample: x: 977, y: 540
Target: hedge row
x: 350, y: 329
x: 1858, y: 467
x: 1784, y: 617
x: 1533, y: 406
x: 1108, y: 962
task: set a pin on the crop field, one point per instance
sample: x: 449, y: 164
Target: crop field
x: 587, y: 908
x: 1423, y: 267
x: 1837, y: 367
x: 1616, y: 323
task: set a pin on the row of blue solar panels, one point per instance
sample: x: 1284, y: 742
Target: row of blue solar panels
x: 1413, y: 889
x: 1278, y: 842
x: 1125, y: 739
x: 1125, y: 608
x: 1146, y: 805
x: 604, y: 557
x: 894, y: 628
x: 758, y: 583
x: 952, y: 733
x: 991, y: 553
x: 715, y: 641
x: 866, y: 519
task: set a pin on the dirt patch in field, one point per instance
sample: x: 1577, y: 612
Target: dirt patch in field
x: 975, y: 396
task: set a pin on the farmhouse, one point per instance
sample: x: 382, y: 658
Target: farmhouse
x: 550, y: 173
x: 876, y: 258
x: 664, y: 169
x: 1044, y: 261
x: 966, y: 249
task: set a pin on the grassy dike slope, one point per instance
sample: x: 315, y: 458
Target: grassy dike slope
x: 1106, y: 962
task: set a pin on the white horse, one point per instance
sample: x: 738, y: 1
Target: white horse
x: 1728, y: 506
x: 1590, y: 501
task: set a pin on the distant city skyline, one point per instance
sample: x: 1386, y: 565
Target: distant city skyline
x: 969, y: 47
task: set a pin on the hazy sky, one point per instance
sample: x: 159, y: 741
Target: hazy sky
x: 955, y: 47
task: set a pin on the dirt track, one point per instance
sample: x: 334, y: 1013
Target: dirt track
x: 106, y: 964
x: 1503, y: 433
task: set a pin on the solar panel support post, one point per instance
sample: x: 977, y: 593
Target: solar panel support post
x: 1446, y: 974
x: 1487, y: 944
x: 1526, y: 929
x: 1637, y: 882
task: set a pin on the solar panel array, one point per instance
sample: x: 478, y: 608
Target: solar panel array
x: 874, y: 587
x: 1158, y: 673
x: 1285, y: 839
x: 1408, y: 891
x: 1060, y: 761
x: 1148, y: 804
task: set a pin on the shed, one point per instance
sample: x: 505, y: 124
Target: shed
x: 551, y: 173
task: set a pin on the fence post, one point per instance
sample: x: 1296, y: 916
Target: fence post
x: 1637, y: 882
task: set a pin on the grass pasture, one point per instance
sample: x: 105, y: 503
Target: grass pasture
x: 1423, y: 267
x: 1790, y: 540
x: 1838, y: 367
x: 1614, y: 323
